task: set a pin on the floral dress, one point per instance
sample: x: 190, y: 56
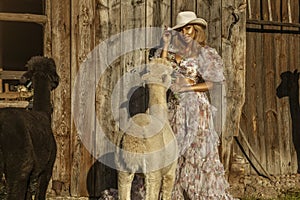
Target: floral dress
x: 200, y: 174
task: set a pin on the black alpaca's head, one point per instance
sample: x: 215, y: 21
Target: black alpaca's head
x: 43, y: 67
x: 289, y: 84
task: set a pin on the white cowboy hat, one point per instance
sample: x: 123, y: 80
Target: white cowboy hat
x: 188, y: 17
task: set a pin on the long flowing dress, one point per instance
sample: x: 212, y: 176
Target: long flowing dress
x: 200, y: 174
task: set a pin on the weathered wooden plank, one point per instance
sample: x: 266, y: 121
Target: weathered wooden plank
x: 18, y: 17
x: 285, y: 11
x: 293, y: 61
x: 249, y: 112
x: 83, y: 41
x: 14, y: 104
x: 268, y: 97
x: 1, y: 83
x: 15, y: 95
x: 253, y: 96
x: 258, y: 57
x: 132, y: 60
x: 271, y: 129
x: 60, y: 52
x: 211, y: 12
x: 110, y: 77
x: 109, y: 26
x: 272, y: 23
x: 283, y: 112
x: 289, y: 14
x: 13, y: 75
x: 47, y: 30
x: 75, y: 143
x: 1, y: 49
x: 295, y: 11
x: 204, y: 9
x: 233, y: 48
x: 276, y: 13
x: 158, y: 13
x: 181, y: 5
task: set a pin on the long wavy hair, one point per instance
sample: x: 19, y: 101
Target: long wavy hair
x: 198, y: 42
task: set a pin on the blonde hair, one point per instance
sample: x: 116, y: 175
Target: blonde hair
x: 200, y: 36
x: 198, y: 42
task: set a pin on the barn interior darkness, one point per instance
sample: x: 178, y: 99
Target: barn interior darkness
x: 19, y: 40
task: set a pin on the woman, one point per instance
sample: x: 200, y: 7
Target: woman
x: 200, y: 174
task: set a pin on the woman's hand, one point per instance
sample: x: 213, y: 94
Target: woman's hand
x: 167, y: 36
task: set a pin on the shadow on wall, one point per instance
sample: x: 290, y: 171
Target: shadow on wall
x: 289, y: 87
x: 137, y: 101
x: 101, y: 177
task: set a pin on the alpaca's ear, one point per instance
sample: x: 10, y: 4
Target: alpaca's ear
x: 296, y: 73
x: 26, y: 76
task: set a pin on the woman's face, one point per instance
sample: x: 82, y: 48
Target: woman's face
x: 188, y: 33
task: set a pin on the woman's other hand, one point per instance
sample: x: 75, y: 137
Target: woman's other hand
x: 167, y: 36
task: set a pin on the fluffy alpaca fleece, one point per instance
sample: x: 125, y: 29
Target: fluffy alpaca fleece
x: 27, y: 145
x: 149, y: 145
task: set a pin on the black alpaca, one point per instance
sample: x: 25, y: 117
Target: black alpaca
x: 289, y: 87
x: 27, y: 144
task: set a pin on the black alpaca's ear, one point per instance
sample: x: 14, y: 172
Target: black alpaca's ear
x: 297, y: 73
x: 26, y: 76
x: 54, y: 81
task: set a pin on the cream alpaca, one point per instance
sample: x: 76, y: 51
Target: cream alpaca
x: 149, y: 144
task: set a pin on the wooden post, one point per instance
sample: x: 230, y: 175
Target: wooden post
x: 234, y: 54
x: 57, y: 45
x: 1, y: 86
x: 82, y: 42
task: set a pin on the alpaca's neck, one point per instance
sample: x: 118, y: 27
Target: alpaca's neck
x: 294, y: 105
x: 41, y: 98
x: 157, y: 98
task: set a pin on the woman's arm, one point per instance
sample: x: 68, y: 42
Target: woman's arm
x: 199, y: 87
x: 167, y: 36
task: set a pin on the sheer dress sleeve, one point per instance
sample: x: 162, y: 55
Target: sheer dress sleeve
x: 210, y: 65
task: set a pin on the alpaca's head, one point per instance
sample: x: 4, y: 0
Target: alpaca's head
x: 289, y: 84
x: 158, y: 72
x: 43, y: 67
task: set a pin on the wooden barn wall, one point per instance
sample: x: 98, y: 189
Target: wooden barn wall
x: 76, y: 27
x: 266, y: 121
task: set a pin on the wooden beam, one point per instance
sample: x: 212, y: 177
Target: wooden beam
x: 273, y: 23
x: 20, y: 17
x: 234, y: 54
x: 15, y: 104
x: 15, y: 95
x: 11, y: 75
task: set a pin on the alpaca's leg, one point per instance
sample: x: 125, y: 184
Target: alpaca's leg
x: 16, y: 187
x: 17, y: 176
x: 153, y: 184
x: 296, y: 139
x: 44, y: 179
x: 28, y: 195
x: 42, y: 186
x: 298, y: 158
x: 124, y: 185
x: 168, y: 182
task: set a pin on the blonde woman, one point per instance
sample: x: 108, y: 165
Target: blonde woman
x: 200, y: 174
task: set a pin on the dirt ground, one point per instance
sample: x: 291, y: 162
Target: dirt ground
x: 258, y: 187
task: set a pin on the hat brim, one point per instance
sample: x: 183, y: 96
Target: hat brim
x: 199, y: 21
